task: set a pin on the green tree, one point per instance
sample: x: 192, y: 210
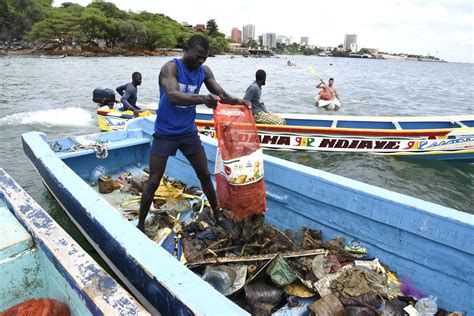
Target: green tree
x: 217, y: 44
x: 252, y: 43
x: 94, y: 24
x: 364, y: 51
x: 18, y: 16
x: 109, y: 9
x: 57, y: 25
x: 212, y: 28
x: 134, y: 33
x: 101, y: 20
x: 72, y: 8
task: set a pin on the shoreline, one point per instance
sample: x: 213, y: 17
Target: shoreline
x: 87, y: 53
x: 57, y: 53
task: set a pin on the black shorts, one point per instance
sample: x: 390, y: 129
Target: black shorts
x: 166, y: 145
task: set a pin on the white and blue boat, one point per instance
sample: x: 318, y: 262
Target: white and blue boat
x: 38, y: 259
x: 429, y: 244
x: 448, y: 138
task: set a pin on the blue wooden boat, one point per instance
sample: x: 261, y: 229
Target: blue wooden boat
x: 39, y: 259
x: 430, y: 137
x: 430, y: 244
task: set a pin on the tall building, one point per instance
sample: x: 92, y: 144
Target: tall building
x: 236, y: 35
x: 248, y: 32
x: 269, y: 40
x: 350, y: 39
x: 304, y: 41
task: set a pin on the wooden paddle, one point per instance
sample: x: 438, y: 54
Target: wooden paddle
x: 316, y: 74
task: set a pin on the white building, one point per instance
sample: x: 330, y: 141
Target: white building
x: 354, y: 48
x: 349, y: 39
x: 248, y: 32
x: 269, y: 40
x: 282, y: 39
x: 304, y: 41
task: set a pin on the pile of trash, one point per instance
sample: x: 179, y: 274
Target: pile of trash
x: 265, y: 270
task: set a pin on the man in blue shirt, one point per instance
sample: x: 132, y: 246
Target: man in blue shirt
x: 129, y: 92
x: 180, y: 81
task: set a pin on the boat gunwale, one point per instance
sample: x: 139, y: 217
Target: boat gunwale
x: 349, y: 131
x: 99, y: 291
x: 115, y: 227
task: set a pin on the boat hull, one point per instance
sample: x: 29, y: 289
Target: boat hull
x: 330, y: 105
x: 48, y: 262
x: 424, y: 242
x: 168, y: 287
x: 437, y: 138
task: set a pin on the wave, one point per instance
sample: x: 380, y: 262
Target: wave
x: 70, y: 116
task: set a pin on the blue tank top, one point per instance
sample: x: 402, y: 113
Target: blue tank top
x: 174, y: 119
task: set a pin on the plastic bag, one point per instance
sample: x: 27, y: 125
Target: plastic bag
x: 239, y: 162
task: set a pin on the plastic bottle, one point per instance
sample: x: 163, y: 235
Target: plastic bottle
x: 220, y: 280
x: 427, y: 306
x: 96, y: 173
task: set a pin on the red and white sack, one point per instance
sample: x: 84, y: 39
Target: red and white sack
x: 239, y: 162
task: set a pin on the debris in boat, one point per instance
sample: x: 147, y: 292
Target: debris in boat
x: 108, y: 185
x: 280, y: 272
x: 260, y: 267
x: 138, y: 181
x: 226, y: 279
x: 355, y: 248
x: 327, y: 305
x: 262, y: 297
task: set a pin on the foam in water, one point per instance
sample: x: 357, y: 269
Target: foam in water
x: 71, y: 116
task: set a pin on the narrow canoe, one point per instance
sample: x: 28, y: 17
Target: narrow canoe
x: 425, y: 242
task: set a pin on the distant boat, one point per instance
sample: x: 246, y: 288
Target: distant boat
x: 53, y: 56
x: 428, y: 244
x: 38, y: 259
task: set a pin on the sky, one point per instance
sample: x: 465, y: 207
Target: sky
x: 440, y: 28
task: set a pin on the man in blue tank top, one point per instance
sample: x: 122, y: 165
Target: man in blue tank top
x: 180, y: 81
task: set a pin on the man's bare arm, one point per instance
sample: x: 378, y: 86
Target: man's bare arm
x: 169, y: 82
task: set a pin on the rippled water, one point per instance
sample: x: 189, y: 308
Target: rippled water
x: 54, y: 96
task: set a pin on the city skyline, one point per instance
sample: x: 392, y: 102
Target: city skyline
x: 441, y: 28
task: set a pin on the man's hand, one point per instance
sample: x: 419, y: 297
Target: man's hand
x: 211, y: 101
x: 246, y: 102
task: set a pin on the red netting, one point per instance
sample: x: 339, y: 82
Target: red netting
x: 239, y: 175
x: 35, y: 307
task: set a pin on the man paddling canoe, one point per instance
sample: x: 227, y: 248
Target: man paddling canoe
x: 328, y: 93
